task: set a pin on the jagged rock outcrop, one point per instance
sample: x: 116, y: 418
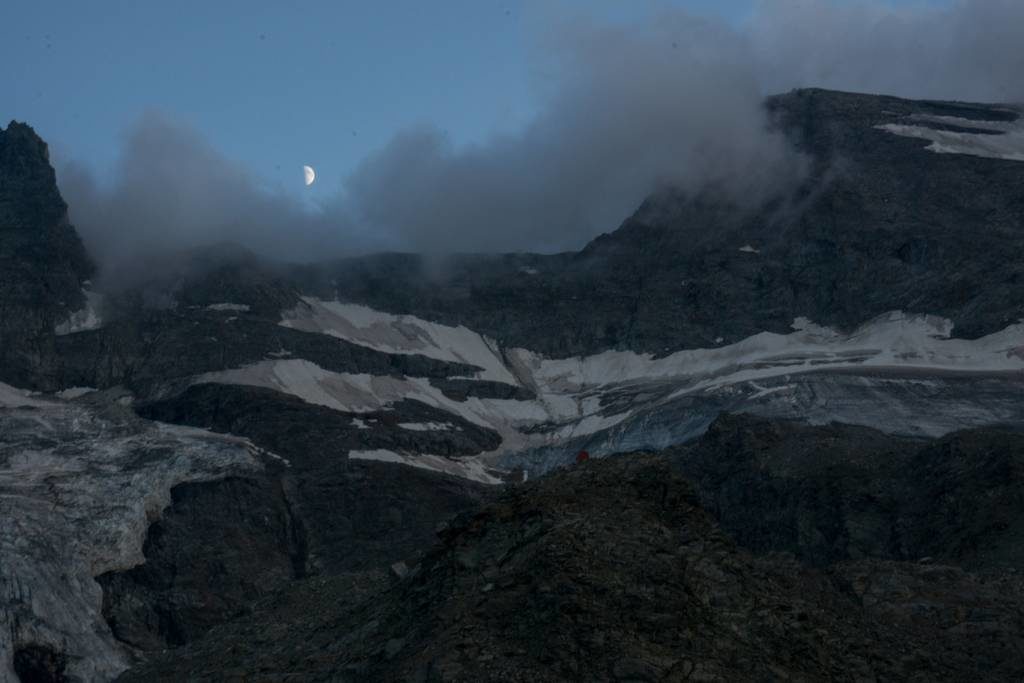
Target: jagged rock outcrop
x: 43, y: 264
x: 612, y: 571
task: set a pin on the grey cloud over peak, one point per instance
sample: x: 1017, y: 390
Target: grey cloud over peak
x: 626, y: 110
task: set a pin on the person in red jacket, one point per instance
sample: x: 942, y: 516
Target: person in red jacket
x: 582, y: 456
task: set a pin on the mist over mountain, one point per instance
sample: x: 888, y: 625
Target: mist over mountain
x: 961, y: 49
x: 673, y: 101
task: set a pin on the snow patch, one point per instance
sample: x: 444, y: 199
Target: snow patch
x: 1005, y: 141
x: 240, y: 308
x: 88, y: 318
x: 426, y: 426
x: 75, y: 392
x: 768, y: 391
x: 892, y: 340
x: 12, y: 397
x: 401, y: 334
x: 471, y: 469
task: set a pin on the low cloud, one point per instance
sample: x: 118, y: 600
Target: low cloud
x: 173, y: 190
x: 963, y: 49
x: 672, y: 101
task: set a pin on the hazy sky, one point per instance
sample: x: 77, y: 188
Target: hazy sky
x: 278, y: 84
x: 465, y: 124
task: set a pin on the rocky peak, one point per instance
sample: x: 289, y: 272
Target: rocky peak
x: 43, y: 263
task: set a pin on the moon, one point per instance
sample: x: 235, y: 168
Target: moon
x: 310, y: 174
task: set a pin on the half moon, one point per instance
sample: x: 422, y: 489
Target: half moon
x: 310, y: 174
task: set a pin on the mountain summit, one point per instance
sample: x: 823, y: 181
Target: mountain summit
x: 43, y: 264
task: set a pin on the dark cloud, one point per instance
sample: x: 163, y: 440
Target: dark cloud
x: 625, y: 110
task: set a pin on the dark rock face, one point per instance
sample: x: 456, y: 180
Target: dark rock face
x: 357, y: 514
x: 461, y: 389
x: 835, y: 493
x: 315, y: 436
x: 223, y: 545
x: 612, y: 571
x: 220, y: 546
x: 207, y: 276
x: 880, y: 224
x: 40, y: 664
x: 42, y: 261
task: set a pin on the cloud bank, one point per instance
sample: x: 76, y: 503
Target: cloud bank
x: 673, y: 101
x: 969, y: 50
x: 173, y: 190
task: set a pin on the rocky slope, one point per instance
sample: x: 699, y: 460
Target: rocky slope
x: 835, y: 493
x: 613, y: 571
x: 119, y: 535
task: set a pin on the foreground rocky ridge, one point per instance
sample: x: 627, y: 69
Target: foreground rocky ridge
x: 613, y: 571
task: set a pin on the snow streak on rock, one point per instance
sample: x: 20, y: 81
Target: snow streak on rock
x: 88, y: 318
x: 993, y: 139
x: 467, y: 468
x: 404, y: 334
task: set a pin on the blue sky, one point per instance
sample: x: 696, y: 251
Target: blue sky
x: 275, y: 85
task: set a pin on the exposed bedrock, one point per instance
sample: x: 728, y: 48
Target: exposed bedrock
x: 310, y: 435
x: 841, y: 492
x: 217, y: 548
x: 43, y: 264
x: 79, y: 485
x: 222, y: 545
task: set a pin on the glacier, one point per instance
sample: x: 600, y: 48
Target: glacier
x: 901, y: 373
x: 80, y: 484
